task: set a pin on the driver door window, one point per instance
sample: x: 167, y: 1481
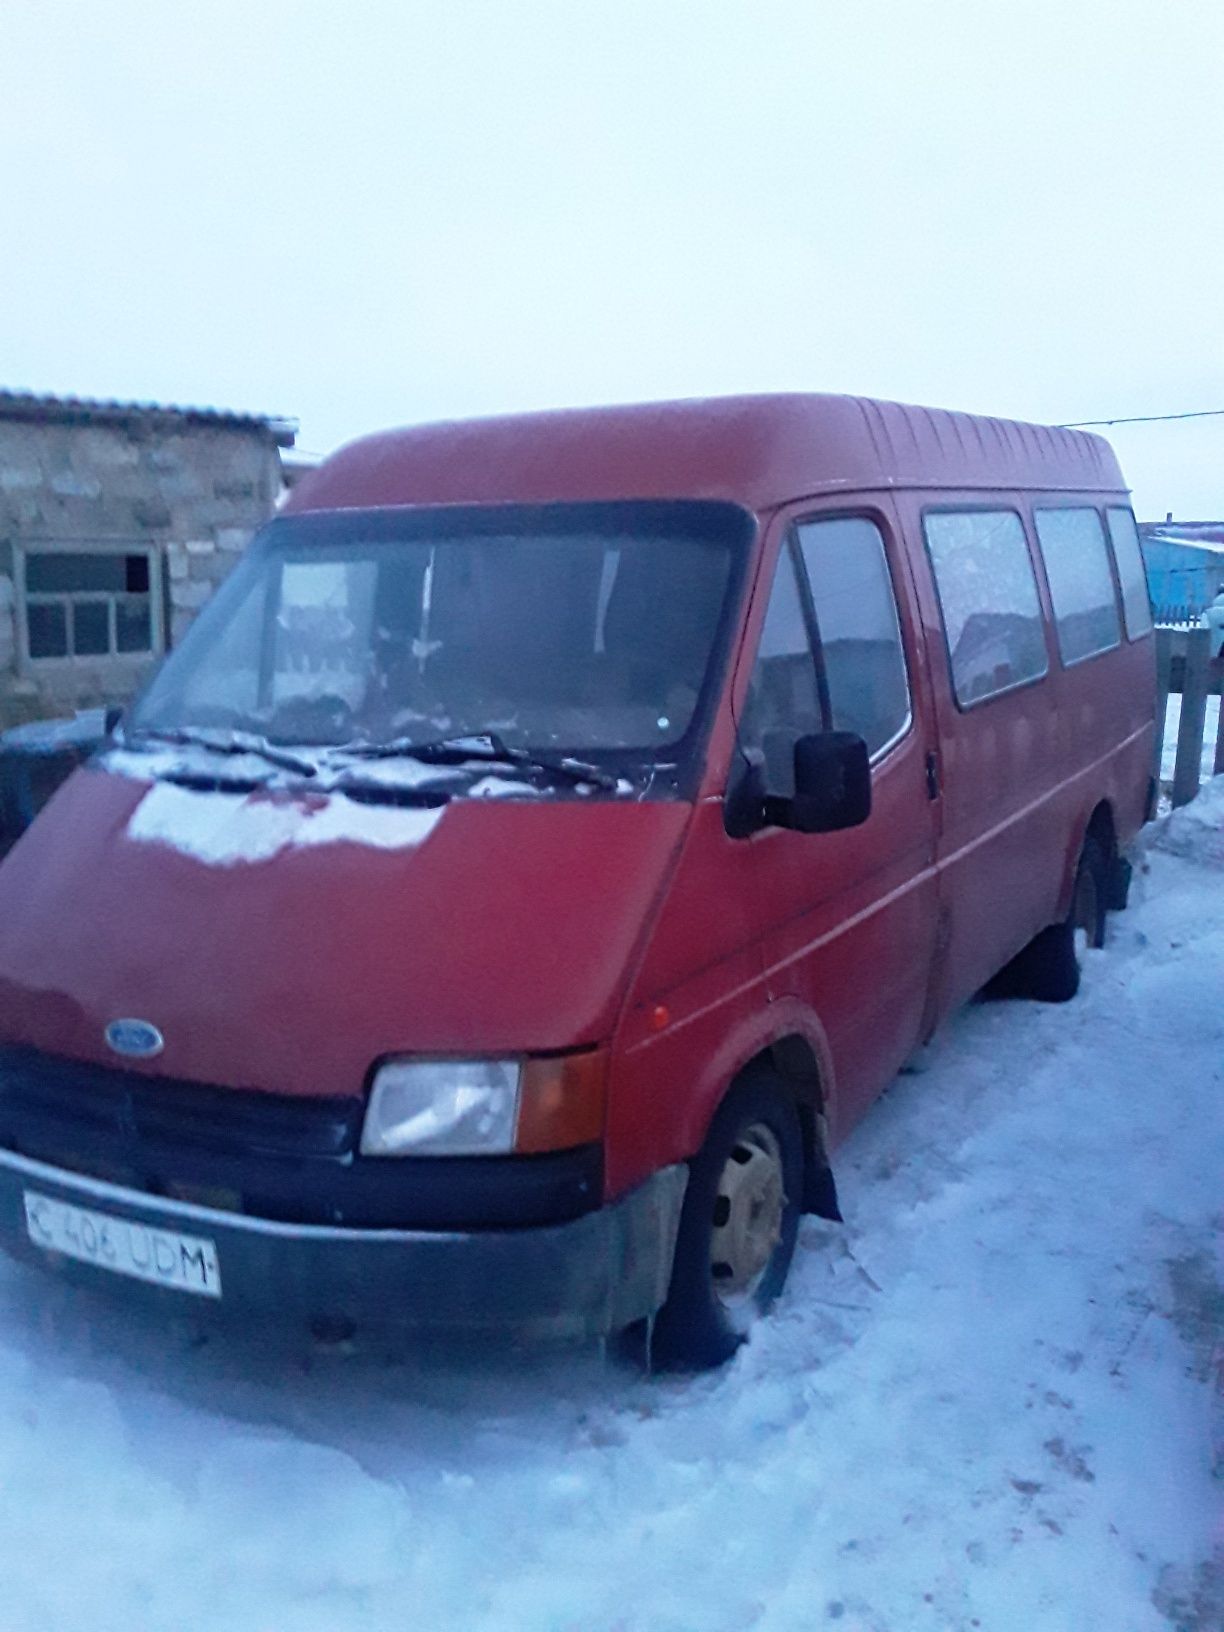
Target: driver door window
x: 858, y: 630
x: 830, y: 657
x: 783, y: 699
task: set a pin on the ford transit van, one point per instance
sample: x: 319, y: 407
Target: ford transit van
x: 546, y: 845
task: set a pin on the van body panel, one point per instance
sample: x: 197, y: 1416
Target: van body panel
x: 1001, y: 840
x: 697, y: 1006
x: 510, y: 928
x: 1022, y: 771
x: 665, y: 1087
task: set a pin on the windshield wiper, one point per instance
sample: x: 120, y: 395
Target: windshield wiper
x: 390, y: 793
x: 218, y: 742
x: 487, y: 745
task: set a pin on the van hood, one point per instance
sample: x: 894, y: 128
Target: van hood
x: 284, y: 943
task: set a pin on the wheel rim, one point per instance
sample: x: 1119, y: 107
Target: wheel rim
x: 1085, y: 914
x: 748, y: 1210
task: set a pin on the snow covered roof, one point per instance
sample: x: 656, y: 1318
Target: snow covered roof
x: 45, y: 409
x: 1207, y: 536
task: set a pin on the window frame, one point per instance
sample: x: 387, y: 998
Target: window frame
x: 1093, y: 508
x: 790, y: 545
x: 1129, y: 510
x: 812, y: 617
x: 1038, y: 580
x: 28, y: 663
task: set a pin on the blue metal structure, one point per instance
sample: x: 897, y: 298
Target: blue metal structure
x: 1185, y: 567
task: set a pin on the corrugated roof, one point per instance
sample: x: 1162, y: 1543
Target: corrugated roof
x: 36, y: 407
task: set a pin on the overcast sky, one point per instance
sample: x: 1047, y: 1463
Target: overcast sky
x: 364, y: 214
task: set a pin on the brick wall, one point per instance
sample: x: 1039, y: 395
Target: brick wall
x: 193, y: 493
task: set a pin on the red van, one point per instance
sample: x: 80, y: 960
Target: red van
x: 546, y: 845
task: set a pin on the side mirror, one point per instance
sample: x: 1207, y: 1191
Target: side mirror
x: 832, y: 789
x: 832, y: 785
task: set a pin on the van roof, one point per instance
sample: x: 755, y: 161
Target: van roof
x: 757, y: 451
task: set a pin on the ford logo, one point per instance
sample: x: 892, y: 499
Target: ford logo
x: 137, y: 1039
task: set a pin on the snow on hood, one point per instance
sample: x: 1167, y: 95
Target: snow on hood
x: 223, y: 829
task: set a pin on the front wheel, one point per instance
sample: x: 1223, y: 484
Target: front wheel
x: 738, y: 1227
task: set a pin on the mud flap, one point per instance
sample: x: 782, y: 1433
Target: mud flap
x: 1117, y: 886
x: 821, y: 1196
x: 819, y: 1187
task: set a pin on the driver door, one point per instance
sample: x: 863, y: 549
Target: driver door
x: 852, y: 915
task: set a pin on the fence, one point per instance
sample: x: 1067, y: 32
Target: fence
x: 1183, y: 614
x: 1184, y: 665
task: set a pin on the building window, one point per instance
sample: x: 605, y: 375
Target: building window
x: 90, y: 604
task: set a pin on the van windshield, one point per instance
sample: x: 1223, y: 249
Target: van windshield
x: 580, y: 629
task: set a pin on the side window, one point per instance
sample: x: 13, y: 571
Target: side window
x: 783, y: 701
x: 1081, y: 584
x: 988, y: 596
x: 1132, y: 574
x: 856, y: 618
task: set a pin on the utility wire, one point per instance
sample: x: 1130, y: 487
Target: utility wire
x: 1140, y: 419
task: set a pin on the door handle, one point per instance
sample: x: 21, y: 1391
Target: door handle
x: 932, y: 776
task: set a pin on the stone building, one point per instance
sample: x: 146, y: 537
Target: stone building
x: 117, y: 521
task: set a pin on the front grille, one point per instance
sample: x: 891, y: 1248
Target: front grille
x: 41, y: 1090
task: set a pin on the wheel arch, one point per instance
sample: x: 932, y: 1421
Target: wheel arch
x: 796, y: 1054
x: 1099, y: 824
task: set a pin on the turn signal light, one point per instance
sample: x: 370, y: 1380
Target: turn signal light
x: 561, y: 1102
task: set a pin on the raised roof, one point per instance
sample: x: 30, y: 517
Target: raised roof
x: 757, y: 451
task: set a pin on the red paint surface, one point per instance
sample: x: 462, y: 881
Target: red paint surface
x: 510, y: 928
x: 755, y: 451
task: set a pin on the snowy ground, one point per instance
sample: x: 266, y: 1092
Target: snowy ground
x: 985, y: 1404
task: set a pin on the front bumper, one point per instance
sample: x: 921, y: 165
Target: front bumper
x: 588, y: 1277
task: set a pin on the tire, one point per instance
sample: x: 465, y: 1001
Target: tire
x: 737, y: 1228
x: 1048, y: 969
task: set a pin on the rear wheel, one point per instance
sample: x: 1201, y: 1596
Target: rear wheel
x: 1049, y: 967
x: 1087, y: 915
x: 738, y: 1227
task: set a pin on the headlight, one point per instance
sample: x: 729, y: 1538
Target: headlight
x: 442, y: 1108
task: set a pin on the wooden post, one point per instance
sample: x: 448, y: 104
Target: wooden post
x: 1188, y: 769
x: 1164, y: 666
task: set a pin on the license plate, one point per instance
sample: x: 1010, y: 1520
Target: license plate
x: 187, y: 1263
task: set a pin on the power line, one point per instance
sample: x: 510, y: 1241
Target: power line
x: 1140, y: 419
